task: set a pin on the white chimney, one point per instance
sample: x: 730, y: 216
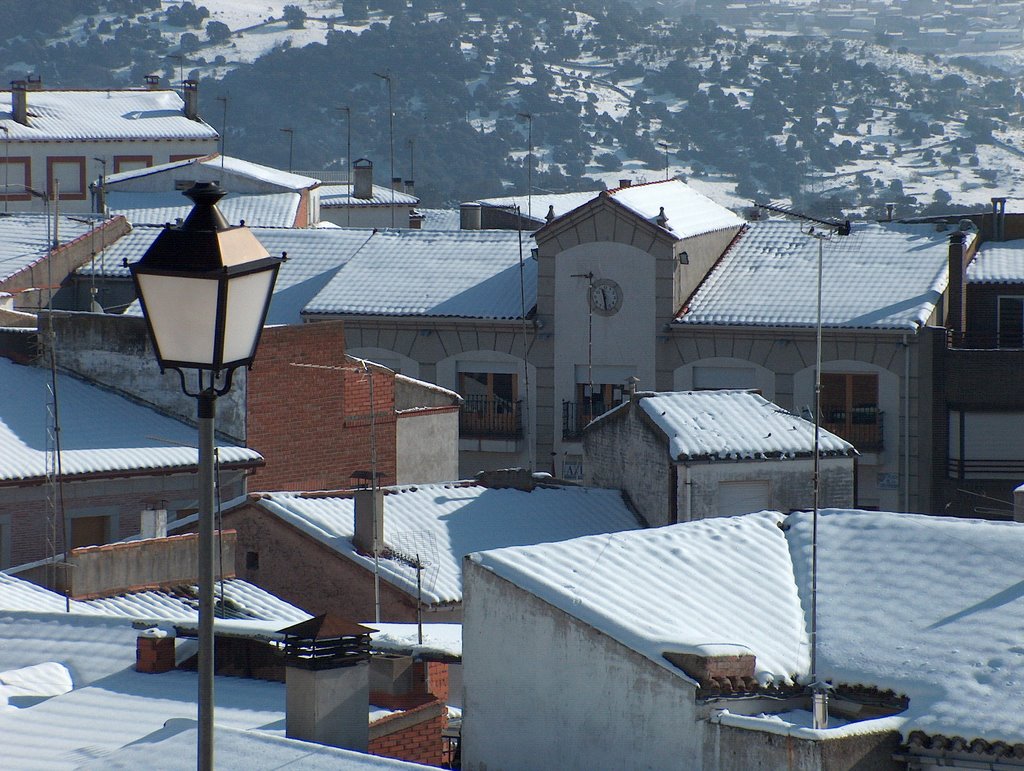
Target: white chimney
x: 369, y: 520
x: 154, y: 523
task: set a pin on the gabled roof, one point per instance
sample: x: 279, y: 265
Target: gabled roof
x: 272, y: 210
x: 314, y: 256
x: 688, y: 212
x: 444, y: 522
x: 733, y: 425
x: 884, y: 275
x: 103, y: 115
x: 101, y: 432
x: 998, y: 262
x: 332, y: 196
x: 214, y: 166
x: 929, y: 607
x: 466, y: 274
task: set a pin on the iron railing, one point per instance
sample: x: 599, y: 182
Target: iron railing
x: 576, y: 416
x: 862, y: 427
x: 490, y: 417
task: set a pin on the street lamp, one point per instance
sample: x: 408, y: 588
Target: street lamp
x: 205, y: 289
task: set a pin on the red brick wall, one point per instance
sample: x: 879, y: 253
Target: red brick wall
x: 312, y: 424
x: 417, y: 743
x: 306, y: 573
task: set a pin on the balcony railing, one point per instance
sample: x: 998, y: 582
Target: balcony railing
x: 976, y: 468
x: 985, y: 340
x: 489, y: 417
x: 576, y: 415
x: 862, y: 427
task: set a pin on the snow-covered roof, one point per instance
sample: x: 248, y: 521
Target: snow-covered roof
x: 314, y: 256
x: 439, y: 640
x: 734, y: 425
x: 926, y: 606
x: 884, y: 275
x: 466, y: 273
x: 212, y: 166
x: 100, y: 431
x: 998, y: 262
x: 440, y: 219
x: 273, y: 210
x: 332, y: 196
x: 23, y: 239
x: 689, y: 213
x: 444, y: 522
x: 537, y: 205
x: 102, y: 115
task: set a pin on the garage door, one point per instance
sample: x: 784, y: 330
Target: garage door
x: 743, y: 497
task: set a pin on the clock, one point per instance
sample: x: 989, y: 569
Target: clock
x: 605, y: 297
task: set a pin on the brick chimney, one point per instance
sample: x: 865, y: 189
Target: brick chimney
x: 396, y: 184
x: 625, y: 182
x: 19, y: 101
x: 410, y: 187
x: 154, y: 652
x: 190, y: 89
x: 369, y: 518
x: 327, y: 682
x: 956, y: 314
x: 363, y: 171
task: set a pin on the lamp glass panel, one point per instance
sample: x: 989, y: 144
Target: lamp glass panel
x: 183, y: 315
x: 247, y: 297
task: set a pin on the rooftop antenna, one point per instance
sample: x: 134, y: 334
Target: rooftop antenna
x: 7, y: 165
x: 348, y: 160
x: 819, y: 690
x: 528, y: 117
x: 181, y: 69
x: 412, y: 158
x: 291, y: 145
x: 409, y: 549
x: 664, y: 146
x: 386, y: 76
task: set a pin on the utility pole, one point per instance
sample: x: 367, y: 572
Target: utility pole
x: 391, y: 141
x: 348, y: 160
x: 291, y: 145
x: 528, y: 117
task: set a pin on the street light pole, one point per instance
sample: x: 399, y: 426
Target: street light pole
x: 391, y: 142
x: 205, y: 290
x: 348, y: 161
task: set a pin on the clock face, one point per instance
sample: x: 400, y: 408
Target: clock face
x: 605, y: 297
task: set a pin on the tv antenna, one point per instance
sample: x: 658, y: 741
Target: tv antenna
x: 819, y: 690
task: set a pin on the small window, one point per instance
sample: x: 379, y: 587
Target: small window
x: 90, y: 531
x: 252, y: 560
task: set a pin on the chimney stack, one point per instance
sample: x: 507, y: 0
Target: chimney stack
x: 152, y: 82
x: 19, y: 101
x: 625, y: 182
x: 410, y: 187
x: 34, y: 83
x: 396, y: 184
x: 470, y: 216
x: 998, y: 219
x: 369, y: 520
x: 956, y: 314
x: 889, y: 209
x: 363, y: 178
x: 551, y: 213
x: 327, y: 682
x: 190, y: 89
x: 153, y: 523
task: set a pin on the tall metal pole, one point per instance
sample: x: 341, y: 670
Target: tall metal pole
x: 391, y: 142
x: 7, y: 165
x: 206, y: 411
x: 223, y: 132
x: 528, y: 116
x: 291, y: 144
x: 819, y: 695
x: 348, y: 161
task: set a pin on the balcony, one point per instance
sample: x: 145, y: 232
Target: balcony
x: 985, y: 340
x: 576, y: 416
x: 861, y: 427
x: 489, y: 417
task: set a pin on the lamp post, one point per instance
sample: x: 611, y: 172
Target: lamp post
x: 205, y: 289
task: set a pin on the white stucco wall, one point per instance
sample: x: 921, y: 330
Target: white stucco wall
x: 427, y: 447
x: 544, y: 691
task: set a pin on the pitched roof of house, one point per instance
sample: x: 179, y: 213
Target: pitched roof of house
x: 440, y: 219
x: 314, y: 256
x: 272, y: 210
x: 466, y: 274
x: 100, y: 431
x: 55, y: 115
x: 212, y: 166
x: 332, y: 196
x: 538, y: 204
x: 689, y: 213
x: 444, y: 522
x: 926, y: 606
x: 24, y: 239
x: 884, y: 275
x: 733, y: 425
x: 998, y: 262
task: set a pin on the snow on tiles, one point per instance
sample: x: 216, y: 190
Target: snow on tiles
x: 927, y: 607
